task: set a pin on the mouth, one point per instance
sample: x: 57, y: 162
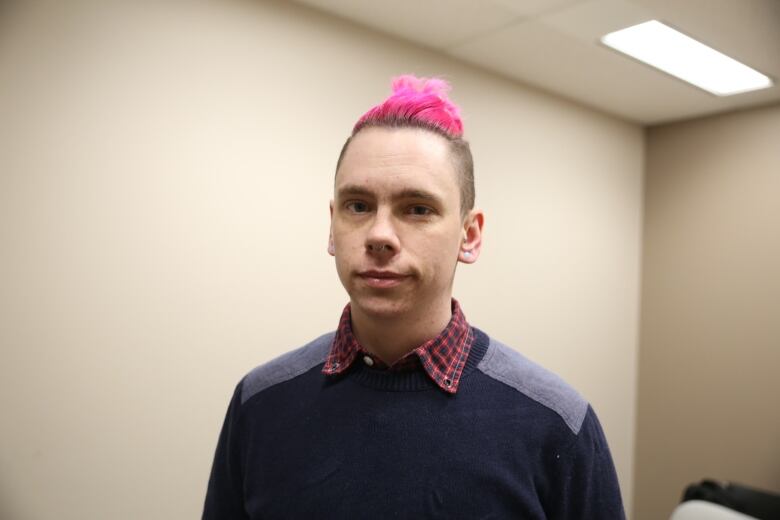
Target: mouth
x: 382, y: 279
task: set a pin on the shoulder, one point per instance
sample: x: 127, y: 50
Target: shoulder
x: 286, y: 367
x: 508, y: 366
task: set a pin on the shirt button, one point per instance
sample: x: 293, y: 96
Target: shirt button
x: 368, y: 361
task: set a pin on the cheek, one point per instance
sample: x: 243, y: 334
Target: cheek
x: 343, y: 268
x: 349, y: 250
x: 438, y: 254
x: 343, y: 236
x: 347, y: 245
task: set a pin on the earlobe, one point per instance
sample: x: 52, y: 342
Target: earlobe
x: 468, y: 256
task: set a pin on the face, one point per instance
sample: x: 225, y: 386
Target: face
x: 397, y: 231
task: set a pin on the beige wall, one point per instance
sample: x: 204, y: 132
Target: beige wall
x: 708, y: 382
x: 164, y: 181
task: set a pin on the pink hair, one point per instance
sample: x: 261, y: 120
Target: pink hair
x: 422, y: 101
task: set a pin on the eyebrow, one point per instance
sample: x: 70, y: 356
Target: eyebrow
x: 408, y: 193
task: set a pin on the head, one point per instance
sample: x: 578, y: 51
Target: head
x: 402, y: 215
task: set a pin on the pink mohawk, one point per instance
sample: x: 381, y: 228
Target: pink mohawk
x: 417, y: 100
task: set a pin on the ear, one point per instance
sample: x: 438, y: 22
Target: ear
x: 331, y: 247
x: 471, y: 245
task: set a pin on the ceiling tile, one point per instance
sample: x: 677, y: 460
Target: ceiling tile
x: 434, y: 23
x: 532, y: 8
x: 589, y: 21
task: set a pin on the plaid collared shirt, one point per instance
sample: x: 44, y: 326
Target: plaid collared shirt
x: 442, y: 357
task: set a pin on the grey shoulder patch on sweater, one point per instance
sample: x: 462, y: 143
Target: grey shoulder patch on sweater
x: 512, y: 368
x: 286, y: 366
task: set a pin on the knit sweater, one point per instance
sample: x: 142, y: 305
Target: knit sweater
x: 515, y: 441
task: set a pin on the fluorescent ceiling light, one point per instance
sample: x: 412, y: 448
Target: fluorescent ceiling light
x: 679, y: 55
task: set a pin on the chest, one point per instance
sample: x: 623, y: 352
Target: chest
x: 390, y: 459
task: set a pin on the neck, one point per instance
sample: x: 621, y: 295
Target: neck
x: 392, y: 337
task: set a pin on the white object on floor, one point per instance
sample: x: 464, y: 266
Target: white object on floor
x: 702, y: 510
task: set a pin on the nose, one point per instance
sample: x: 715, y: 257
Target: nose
x: 381, y: 239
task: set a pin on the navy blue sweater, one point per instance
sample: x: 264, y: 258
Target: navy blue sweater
x: 515, y: 441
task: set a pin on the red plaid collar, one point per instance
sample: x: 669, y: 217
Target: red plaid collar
x: 442, y: 357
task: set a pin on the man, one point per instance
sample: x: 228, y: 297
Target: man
x: 407, y: 411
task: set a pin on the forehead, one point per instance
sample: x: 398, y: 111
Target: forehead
x: 385, y: 160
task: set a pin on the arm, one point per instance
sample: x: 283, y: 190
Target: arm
x: 225, y: 497
x: 586, y: 484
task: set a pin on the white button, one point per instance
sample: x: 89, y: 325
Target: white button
x: 368, y: 361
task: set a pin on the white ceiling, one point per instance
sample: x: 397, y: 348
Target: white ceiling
x: 554, y: 45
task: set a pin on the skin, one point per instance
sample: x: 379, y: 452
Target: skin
x: 396, y: 207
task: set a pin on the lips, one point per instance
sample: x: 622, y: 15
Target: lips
x: 382, y: 279
x: 381, y: 274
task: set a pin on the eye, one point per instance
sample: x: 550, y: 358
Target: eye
x: 356, y: 206
x: 420, y: 211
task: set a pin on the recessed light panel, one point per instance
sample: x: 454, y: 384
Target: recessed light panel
x: 679, y: 55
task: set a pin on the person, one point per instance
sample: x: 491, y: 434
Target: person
x: 406, y: 410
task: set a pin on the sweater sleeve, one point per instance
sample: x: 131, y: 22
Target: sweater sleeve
x: 225, y: 496
x: 586, y: 484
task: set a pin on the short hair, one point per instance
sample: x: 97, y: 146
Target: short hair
x: 423, y: 103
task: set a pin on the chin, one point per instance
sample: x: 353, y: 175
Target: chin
x: 380, y: 306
